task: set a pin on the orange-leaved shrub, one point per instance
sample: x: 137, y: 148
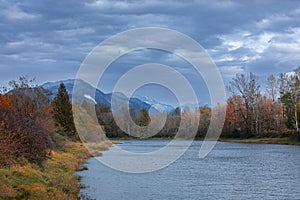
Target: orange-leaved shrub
x: 25, y: 126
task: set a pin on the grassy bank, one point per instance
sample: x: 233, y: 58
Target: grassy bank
x: 285, y: 140
x: 55, y: 179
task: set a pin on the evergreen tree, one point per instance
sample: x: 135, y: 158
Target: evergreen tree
x: 62, y: 111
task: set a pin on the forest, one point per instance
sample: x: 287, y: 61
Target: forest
x: 32, y: 124
x: 250, y: 112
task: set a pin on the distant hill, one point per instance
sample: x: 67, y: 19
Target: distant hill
x: 86, y: 92
x: 85, y: 89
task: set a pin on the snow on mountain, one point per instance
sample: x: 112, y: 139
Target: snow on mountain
x: 157, y: 105
x: 90, y: 98
x: 86, y: 92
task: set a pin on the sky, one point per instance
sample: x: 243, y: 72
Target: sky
x: 50, y: 39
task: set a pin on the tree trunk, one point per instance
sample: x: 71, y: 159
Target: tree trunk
x: 296, y: 119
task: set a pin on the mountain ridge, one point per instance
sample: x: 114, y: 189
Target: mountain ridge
x: 87, y: 92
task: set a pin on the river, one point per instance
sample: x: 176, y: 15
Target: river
x: 230, y: 171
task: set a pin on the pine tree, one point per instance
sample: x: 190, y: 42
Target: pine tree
x: 62, y: 112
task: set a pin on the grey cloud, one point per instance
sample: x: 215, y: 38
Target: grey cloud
x: 49, y: 39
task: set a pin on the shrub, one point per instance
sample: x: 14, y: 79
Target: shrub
x: 22, y: 135
x: 26, y: 126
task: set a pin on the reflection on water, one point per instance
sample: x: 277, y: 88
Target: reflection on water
x: 230, y: 171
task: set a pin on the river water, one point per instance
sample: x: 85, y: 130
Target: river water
x: 230, y: 171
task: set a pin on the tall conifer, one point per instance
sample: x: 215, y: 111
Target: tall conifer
x: 63, y: 114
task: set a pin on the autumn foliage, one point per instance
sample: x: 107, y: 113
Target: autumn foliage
x: 25, y: 126
x: 29, y: 120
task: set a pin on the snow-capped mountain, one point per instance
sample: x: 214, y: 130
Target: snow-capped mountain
x: 158, y: 105
x: 86, y: 92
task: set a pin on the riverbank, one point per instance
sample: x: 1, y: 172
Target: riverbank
x: 55, y: 179
x: 264, y: 140
x: 283, y: 141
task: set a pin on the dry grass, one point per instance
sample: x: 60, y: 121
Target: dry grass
x: 54, y: 180
x: 94, y: 148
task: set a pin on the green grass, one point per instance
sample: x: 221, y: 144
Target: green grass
x: 54, y: 180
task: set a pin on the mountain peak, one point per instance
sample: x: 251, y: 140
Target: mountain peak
x: 158, y: 105
x: 92, y: 95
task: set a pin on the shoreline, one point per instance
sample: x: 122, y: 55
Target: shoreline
x: 265, y: 140
x: 279, y: 141
x: 55, y: 179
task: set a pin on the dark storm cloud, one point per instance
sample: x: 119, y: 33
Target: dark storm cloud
x: 49, y: 39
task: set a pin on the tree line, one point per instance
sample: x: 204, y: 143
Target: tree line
x: 31, y: 124
x: 250, y: 112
